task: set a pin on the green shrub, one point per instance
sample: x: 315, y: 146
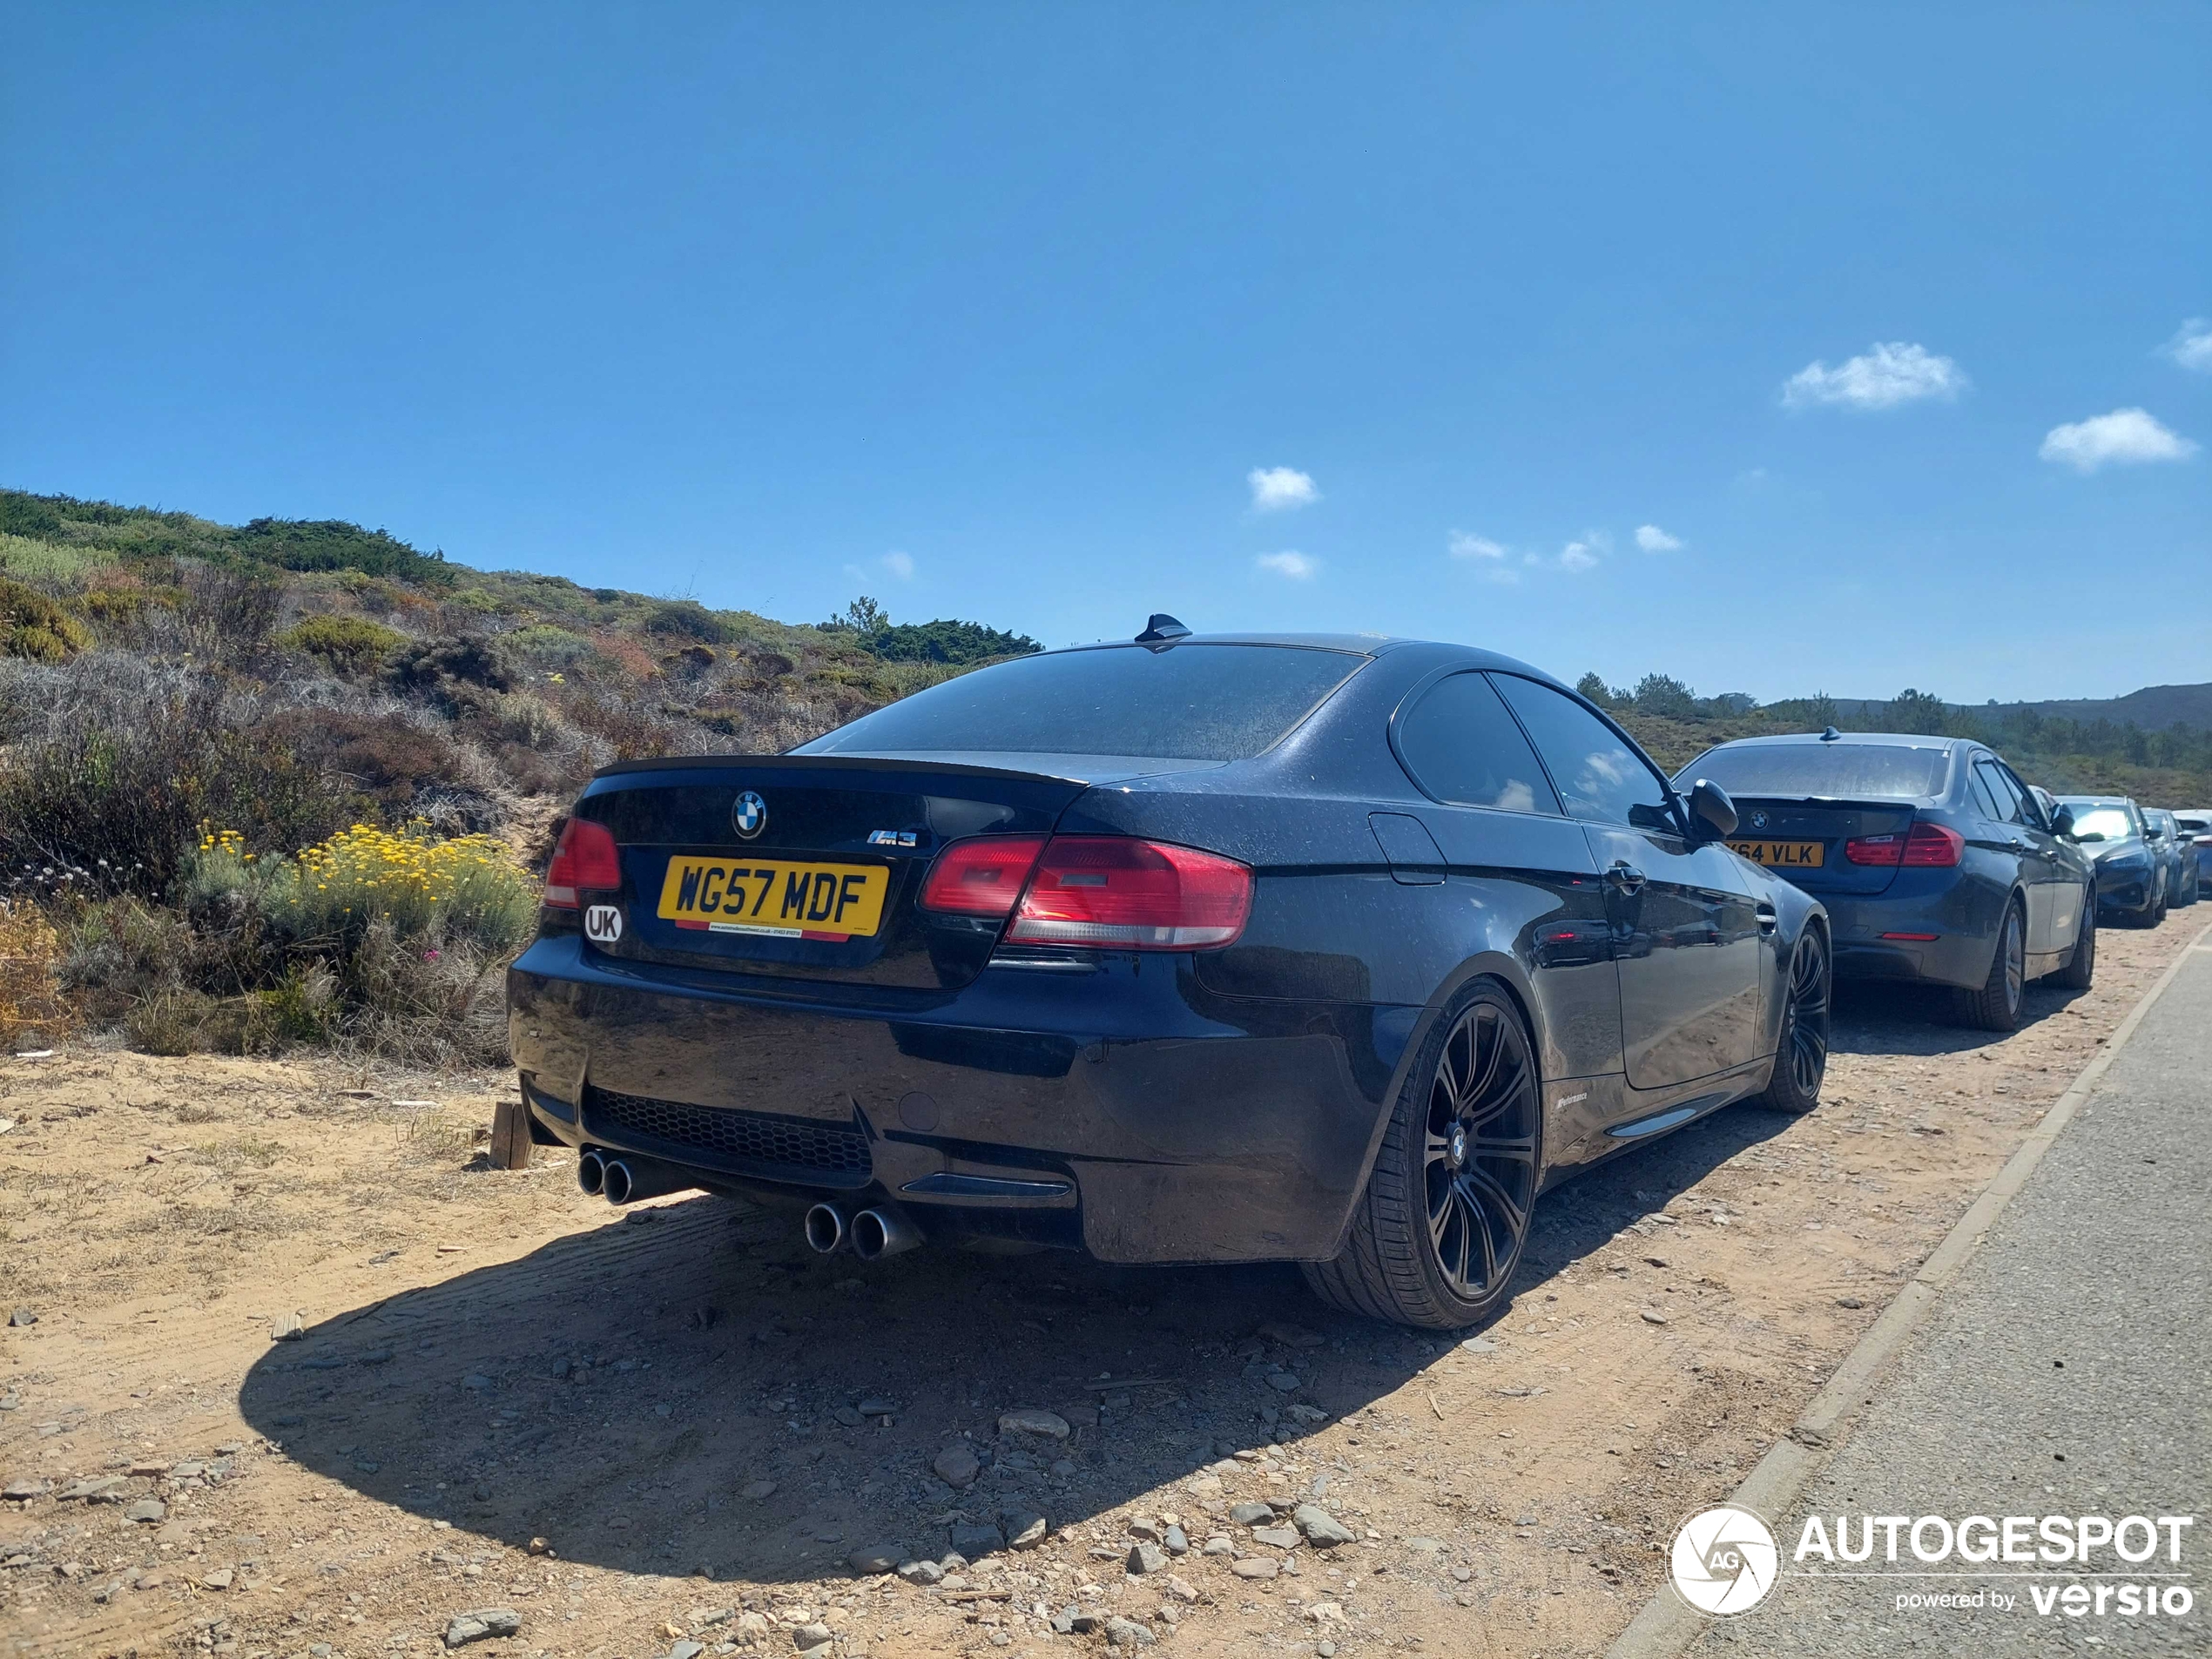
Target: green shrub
x: 34, y: 627
x: 352, y: 645
x: 542, y: 645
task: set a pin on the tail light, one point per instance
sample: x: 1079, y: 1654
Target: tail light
x: 1116, y: 892
x: 1928, y: 847
x: 583, y: 858
x: 1112, y: 891
x: 981, y: 876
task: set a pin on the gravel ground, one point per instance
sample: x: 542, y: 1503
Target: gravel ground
x: 2063, y: 1374
x: 505, y: 1396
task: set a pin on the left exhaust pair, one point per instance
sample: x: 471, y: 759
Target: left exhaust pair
x: 623, y: 1178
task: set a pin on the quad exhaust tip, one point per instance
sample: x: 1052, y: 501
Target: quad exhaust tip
x: 618, y: 1182
x: 878, y: 1233
x: 825, y: 1228
x: 590, y: 1173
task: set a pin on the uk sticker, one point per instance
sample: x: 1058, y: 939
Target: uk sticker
x: 602, y: 924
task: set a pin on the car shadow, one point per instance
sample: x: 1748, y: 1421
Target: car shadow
x: 681, y: 1389
x: 1880, y: 1017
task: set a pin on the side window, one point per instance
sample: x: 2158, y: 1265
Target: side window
x: 2026, y: 808
x: 1463, y: 748
x: 1989, y: 800
x: 1598, y: 776
x: 1991, y: 793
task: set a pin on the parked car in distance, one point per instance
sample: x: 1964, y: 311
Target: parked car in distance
x: 1327, y: 949
x: 2180, y: 856
x: 1936, y: 863
x: 2131, y: 886
x: 2196, y: 823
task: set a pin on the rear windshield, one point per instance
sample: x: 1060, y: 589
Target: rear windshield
x: 1823, y: 771
x: 1198, y: 702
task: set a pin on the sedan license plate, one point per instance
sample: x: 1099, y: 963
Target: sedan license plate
x: 775, y: 897
x: 1781, y: 855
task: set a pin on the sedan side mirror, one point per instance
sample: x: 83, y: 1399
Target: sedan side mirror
x: 2063, y: 824
x: 2154, y: 833
x: 1712, y: 814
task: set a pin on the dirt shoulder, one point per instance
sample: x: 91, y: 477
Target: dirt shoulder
x: 689, y: 1416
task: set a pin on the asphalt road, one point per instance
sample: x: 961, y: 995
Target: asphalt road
x: 2065, y: 1373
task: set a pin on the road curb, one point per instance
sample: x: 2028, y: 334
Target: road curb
x: 1666, y: 1624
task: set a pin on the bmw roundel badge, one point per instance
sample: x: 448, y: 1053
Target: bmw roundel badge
x: 1758, y: 820
x: 749, y: 815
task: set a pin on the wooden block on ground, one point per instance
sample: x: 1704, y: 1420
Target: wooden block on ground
x: 510, y: 1136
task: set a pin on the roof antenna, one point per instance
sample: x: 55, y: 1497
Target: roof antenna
x: 1829, y: 734
x: 1161, y: 628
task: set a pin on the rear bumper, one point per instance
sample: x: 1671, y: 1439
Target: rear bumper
x: 1959, y: 953
x: 1125, y: 1111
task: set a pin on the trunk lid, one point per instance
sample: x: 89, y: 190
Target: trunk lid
x: 1783, y: 831
x: 825, y: 887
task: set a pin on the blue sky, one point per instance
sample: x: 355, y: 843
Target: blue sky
x: 1040, y: 314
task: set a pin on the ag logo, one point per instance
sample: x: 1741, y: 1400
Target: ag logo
x: 1724, y: 1560
x: 602, y: 924
x: 749, y: 815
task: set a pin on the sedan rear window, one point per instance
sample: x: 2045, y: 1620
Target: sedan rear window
x: 1195, y: 702
x: 1823, y: 771
x: 2111, y: 822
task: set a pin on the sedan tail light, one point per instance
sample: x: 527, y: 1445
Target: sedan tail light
x: 585, y: 858
x: 1929, y: 845
x: 1108, y: 892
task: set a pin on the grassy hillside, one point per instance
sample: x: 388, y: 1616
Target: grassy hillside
x: 205, y: 730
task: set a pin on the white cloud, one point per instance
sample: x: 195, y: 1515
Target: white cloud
x: 1297, y: 566
x: 1278, y: 489
x: 2191, y: 345
x: 1885, y: 377
x: 1652, y: 539
x: 2126, y: 438
x: 899, y: 564
x: 1464, y: 546
x: 1577, y: 556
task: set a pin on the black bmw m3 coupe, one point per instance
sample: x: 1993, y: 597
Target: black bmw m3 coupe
x: 1327, y: 949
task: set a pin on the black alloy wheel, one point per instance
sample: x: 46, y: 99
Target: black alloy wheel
x: 1800, y: 1056
x: 1996, y: 1006
x: 2081, y: 968
x: 1437, y: 1234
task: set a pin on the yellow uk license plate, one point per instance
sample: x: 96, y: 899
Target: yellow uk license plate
x: 775, y: 897
x: 1781, y: 855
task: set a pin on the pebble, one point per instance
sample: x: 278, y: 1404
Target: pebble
x: 849, y: 1415
x: 1127, y: 1633
x: 921, y: 1572
x: 1850, y: 1302
x: 686, y: 1651
x: 23, y: 1490
x: 1650, y: 1318
x: 1284, y: 1382
x: 756, y: 1490
x: 1252, y: 1567
x: 1478, y: 1344
x: 1182, y: 1588
x: 1024, y: 1529
x: 1249, y: 1514
x: 149, y: 1509
x: 1322, y: 1529
x: 878, y: 1407
x: 23, y: 1317
x: 218, y: 1580
x: 1030, y: 1421
x: 1176, y: 1541
x: 1281, y: 1537
x: 1220, y: 1544
x: 705, y: 1618
x: 94, y: 1489
x: 807, y: 1637
x: 483, y: 1621
x: 1146, y: 1557
x: 477, y: 1380
x: 153, y: 1579
x: 1290, y: 1336
x: 876, y: 1559
x: 957, y: 1466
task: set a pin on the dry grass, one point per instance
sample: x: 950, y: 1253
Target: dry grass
x: 32, y: 1008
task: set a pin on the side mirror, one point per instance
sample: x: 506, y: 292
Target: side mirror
x: 2094, y: 835
x: 1712, y: 814
x: 2062, y: 823
x: 2152, y: 833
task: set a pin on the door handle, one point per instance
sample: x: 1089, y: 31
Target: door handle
x: 1625, y: 876
x: 1768, y: 920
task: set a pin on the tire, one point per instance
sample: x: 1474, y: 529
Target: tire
x: 2081, y: 966
x: 1438, y: 1233
x: 1996, y: 1006
x: 1800, y: 1056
